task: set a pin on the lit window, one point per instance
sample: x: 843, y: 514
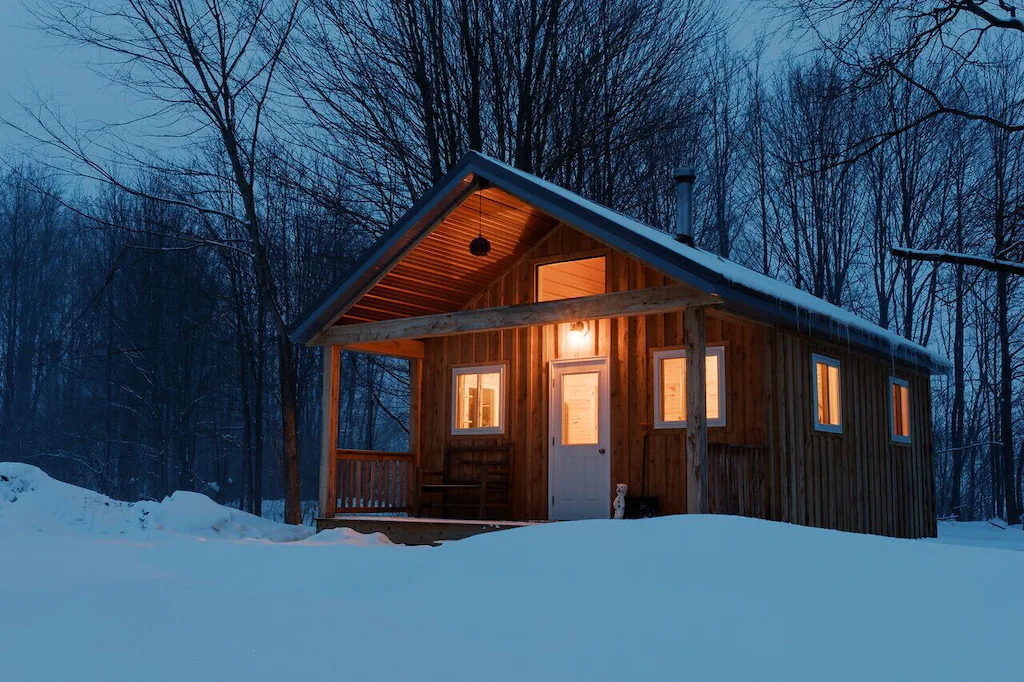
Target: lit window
x: 478, y: 399
x: 827, y: 412
x: 899, y: 397
x: 573, y: 279
x: 670, y: 387
x: 581, y: 401
x: 570, y: 279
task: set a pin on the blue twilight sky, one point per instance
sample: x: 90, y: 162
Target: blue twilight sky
x: 32, y: 62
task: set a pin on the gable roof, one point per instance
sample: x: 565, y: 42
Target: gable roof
x: 744, y: 291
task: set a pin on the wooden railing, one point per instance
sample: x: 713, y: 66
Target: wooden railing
x: 374, y: 482
x: 738, y: 480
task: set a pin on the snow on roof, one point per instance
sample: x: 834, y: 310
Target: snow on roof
x: 738, y: 275
x: 743, y: 289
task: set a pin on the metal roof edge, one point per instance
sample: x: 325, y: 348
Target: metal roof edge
x: 754, y: 303
x: 751, y: 302
x: 322, y: 312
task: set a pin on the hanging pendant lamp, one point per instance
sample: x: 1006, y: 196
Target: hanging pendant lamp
x: 479, y: 246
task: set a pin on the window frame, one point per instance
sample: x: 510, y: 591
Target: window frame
x: 672, y: 353
x: 493, y: 368
x: 566, y: 258
x: 831, y: 362
x: 896, y: 438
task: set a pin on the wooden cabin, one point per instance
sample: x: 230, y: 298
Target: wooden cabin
x: 585, y: 350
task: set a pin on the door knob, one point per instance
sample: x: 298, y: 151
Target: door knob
x: 601, y: 451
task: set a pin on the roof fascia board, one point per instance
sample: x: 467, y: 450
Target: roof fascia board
x: 396, y: 255
x: 397, y: 241
x: 392, y: 245
x: 736, y: 297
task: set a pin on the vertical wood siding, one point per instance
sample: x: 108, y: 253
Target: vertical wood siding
x: 857, y: 481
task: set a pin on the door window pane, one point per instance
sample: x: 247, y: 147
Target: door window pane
x: 580, y: 403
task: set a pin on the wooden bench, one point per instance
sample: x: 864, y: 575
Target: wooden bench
x: 475, y: 480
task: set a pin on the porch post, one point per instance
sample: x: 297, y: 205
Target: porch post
x: 328, y: 498
x: 415, y: 437
x: 694, y: 328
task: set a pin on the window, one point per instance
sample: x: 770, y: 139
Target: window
x: 827, y: 410
x: 581, y: 404
x: 478, y: 399
x: 670, y: 387
x: 899, y: 399
x: 572, y: 279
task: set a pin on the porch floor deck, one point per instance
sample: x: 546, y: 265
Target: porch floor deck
x: 409, y: 530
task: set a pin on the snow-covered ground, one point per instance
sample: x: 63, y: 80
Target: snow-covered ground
x: 981, y: 534
x: 93, y: 594
x: 31, y: 501
x: 274, y: 509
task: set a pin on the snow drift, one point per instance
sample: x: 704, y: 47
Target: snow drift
x: 31, y: 501
x: 687, y: 597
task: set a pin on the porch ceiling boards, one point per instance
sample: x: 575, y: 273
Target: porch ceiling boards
x: 439, y: 275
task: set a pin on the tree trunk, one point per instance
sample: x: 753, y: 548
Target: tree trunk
x: 287, y: 377
x: 260, y: 364
x: 1006, y: 401
x: 957, y: 419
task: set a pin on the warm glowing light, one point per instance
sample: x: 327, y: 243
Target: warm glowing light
x: 578, y: 333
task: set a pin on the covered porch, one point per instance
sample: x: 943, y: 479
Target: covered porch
x: 390, y: 492
x: 534, y: 368
x: 574, y: 349
x: 375, y: 495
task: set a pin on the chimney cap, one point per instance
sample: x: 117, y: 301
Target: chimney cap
x: 685, y: 174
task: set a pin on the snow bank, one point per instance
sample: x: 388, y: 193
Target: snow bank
x: 32, y: 502
x: 694, y: 598
x: 347, y: 536
x: 980, y: 534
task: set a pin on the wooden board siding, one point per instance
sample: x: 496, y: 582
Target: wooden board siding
x: 438, y: 273
x: 858, y: 481
x: 628, y: 342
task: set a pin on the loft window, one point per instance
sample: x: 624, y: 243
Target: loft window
x: 670, y: 387
x: 899, y: 400
x: 827, y: 408
x: 573, y: 279
x: 478, y: 399
x: 570, y: 279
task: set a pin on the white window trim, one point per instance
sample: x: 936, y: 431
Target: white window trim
x: 893, y: 381
x: 503, y: 395
x: 660, y: 355
x: 832, y: 362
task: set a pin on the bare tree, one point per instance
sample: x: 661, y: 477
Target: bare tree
x: 883, y: 38
x: 572, y: 91
x: 213, y: 63
x: 820, y: 227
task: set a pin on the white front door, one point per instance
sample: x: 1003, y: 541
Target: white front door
x: 579, y: 459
